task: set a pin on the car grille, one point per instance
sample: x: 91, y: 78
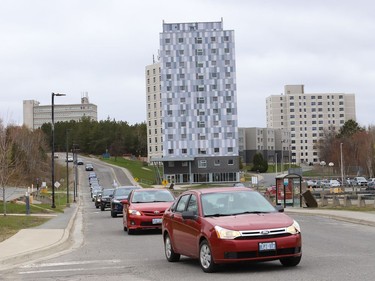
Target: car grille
x: 263, y: 233
x: 153, y: 213
x: 256, y: 254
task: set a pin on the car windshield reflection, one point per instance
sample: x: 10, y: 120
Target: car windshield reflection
x: 236, y: 203
x: 152, y: 196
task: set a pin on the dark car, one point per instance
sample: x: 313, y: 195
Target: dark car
x: 105, y: 198
x: 89, y: 167
x: 229, y: 225
x: 120, y: 193
x: 145, y: 207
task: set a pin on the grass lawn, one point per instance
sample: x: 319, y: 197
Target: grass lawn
x: 144, y: 173
x: 10, y: 225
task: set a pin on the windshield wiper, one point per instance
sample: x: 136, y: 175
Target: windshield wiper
x: 250, y: 212
x: 218, y: 215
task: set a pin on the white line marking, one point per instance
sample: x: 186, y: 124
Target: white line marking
x: 71, y: 263
x: 72, y: 269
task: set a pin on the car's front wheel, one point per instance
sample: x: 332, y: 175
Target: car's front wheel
x: 292, y: 261
x: 205, y: 257
x: 102, y: 208
x: 168, y: 249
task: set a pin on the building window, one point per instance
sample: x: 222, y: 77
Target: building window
x: 198, y: 40
x: 170, y: 163
x: 201, y: 124
x: 184, y: 151
x: 184, y: 164
x: 167, y: 40
x: 180, y: 40
x: 170, y: 151
x: 230, y: 149
x: 202, y: 164
x: 200, y: 100
x: 217, y: 162
x: 216, y: 150
x: 230, y: 162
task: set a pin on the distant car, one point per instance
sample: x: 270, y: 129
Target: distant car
x: 145, y: 207
x: 105, y: 198
x: 334, y: 183
x: 89, y: 167
x: 69, y: 159
x: 371, y: 185
x: 120, y: 193
x: 229, y: 225
x: 79, y: 161
x: 271, y: 191
x: 239, y: 184
x: 96, y: 197
x: 361, y: 181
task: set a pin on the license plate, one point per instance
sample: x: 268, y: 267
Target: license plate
x: 268, y: 246
x: 156, y: 221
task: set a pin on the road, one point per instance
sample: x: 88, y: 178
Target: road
x: 332, y: 250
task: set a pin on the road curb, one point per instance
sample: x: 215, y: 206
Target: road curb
x: 62, y: 243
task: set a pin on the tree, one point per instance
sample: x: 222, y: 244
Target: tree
x: 22, y: 156
x: 349, y: 128
x: 259, y: 164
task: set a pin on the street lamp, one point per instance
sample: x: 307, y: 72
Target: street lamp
x: 67, y: 167
x: 53, y: 146
x: 342, y: 166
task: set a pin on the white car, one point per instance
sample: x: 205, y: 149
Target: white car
x: 334, y: 183
x: 360, y: 181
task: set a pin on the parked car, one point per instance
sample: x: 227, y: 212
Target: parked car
x: 144, y: 208
x: 229, y: 225
x: 105, y: 198
x: 334, y: 183
x: 89, y: 167
x: 371, y: 185
x: 120, y: 193
x: 361, y: 181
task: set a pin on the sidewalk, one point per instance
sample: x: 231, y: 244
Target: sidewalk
x: 48, y: 238
x: 56, y: 234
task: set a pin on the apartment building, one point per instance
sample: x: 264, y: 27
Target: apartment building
x: 273, y: 144
x: 199, y: 127
x: 35, y: 115
x: 307, y: 116
x: 154, y: 112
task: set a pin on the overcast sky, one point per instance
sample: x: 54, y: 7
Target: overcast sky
x: 102, y: 47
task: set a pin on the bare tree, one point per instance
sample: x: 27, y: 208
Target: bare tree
x: 22, y: 155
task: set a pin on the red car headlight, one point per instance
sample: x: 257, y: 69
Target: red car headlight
x: 223, y: 233
x: 294, y: 228
x: 134, y: 212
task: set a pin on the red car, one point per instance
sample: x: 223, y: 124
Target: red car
x: 145, y: 207
x: 227, y: 225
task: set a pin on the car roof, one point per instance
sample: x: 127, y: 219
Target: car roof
x: 150, y: 189
x: 221, y: 189
x: 127, y: 187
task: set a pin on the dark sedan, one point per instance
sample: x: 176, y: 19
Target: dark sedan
x: 120, y: 193
x: 105, y: 198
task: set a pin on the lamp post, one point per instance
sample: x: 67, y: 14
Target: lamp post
x: 67, y: 168
x: 342, y: 166
x: 53, y: 146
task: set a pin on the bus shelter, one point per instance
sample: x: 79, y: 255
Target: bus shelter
x: 289, y: 190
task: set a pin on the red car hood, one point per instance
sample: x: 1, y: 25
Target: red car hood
x: 152, y: 206
x: 252, y: 221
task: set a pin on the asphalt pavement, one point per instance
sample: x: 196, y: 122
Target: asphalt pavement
x: 57, y: 234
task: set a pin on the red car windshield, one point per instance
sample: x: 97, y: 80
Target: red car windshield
x: 235, y: 203
x: 152, y: 196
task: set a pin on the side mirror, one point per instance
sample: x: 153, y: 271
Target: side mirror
x: 125, y: 201
x: 189, y: 215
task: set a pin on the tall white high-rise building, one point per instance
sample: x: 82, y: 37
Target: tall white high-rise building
x: 198, y: 103
x: 306, y: 116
